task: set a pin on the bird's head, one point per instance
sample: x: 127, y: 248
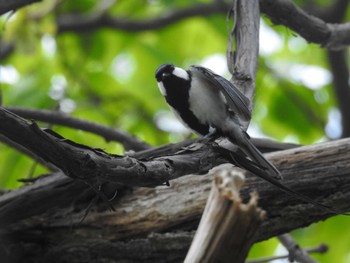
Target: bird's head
x: 168, y: 70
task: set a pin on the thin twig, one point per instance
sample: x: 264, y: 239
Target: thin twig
x: 54, y: 117
x: 322, y: 248
x: 81, y: 22
x: 295, y: 251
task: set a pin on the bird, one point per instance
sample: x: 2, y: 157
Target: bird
x: 210, y: 105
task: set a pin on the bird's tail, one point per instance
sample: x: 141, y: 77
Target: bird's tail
x: 257, y: 156
x: 243, y: 141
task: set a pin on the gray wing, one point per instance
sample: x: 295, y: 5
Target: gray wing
x: 236, y: 100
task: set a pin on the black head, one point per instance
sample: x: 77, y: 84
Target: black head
x: 164, y: 70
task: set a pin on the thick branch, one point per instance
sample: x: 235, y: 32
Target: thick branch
x: 79, y: 161
x: 246, y: 33
x: 320, y: 171
x: 332, y: 13
x: 147, y: 168
x: 6, y: 6
x: 54, y: 117
x: 313, y: 29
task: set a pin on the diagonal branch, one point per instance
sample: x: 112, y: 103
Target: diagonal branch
x: 94, y: 165
x: 313, y: 29
x: 325, y: 165
x: 330, y: 13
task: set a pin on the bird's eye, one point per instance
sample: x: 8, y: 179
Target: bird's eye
x: 164, y: 70
x: 170, y: 68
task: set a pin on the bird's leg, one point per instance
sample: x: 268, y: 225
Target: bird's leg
x: 211, y: 136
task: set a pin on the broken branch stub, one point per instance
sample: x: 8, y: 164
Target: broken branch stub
x: 227, y: 228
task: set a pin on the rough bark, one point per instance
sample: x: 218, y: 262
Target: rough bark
x: 46, y: 215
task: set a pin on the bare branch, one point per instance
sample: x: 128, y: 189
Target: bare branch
x: 54, y: 117
x: 83, y: 22
x: 313, y: 29
x: 79, y: 161
x: 332, y: 13
x: 247, y: 46
x: 6, y: 6
x: 339, y: 67
x: 320, y: 249
x: 340, y: 72
x: 295, y: 251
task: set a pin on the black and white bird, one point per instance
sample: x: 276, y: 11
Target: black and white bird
x: 208, y: 103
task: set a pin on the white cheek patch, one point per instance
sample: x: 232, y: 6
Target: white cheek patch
x: 181, y: 73
x: 162, y: 88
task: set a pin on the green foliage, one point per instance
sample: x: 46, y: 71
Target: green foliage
x: 108, y: 74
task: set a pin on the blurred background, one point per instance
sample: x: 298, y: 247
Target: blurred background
x: 96, y: 60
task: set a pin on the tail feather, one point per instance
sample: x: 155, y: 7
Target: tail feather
x: 241, y: 138
x: 253, y: 152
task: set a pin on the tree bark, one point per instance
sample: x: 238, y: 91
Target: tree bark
x: 46, y: 214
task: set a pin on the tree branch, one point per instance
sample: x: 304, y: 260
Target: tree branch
x: 6, y: 6
x: 246, y: 33
x: 331, y: 13
x: 93, y: 165
x: 296, y: 253
x: 340, y: 71
x: 54, y: 117
x: 313, y: 29
x: 320, y: 171
x: 339, y: 67
x: 82, y: 22
x: 320, y: 249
